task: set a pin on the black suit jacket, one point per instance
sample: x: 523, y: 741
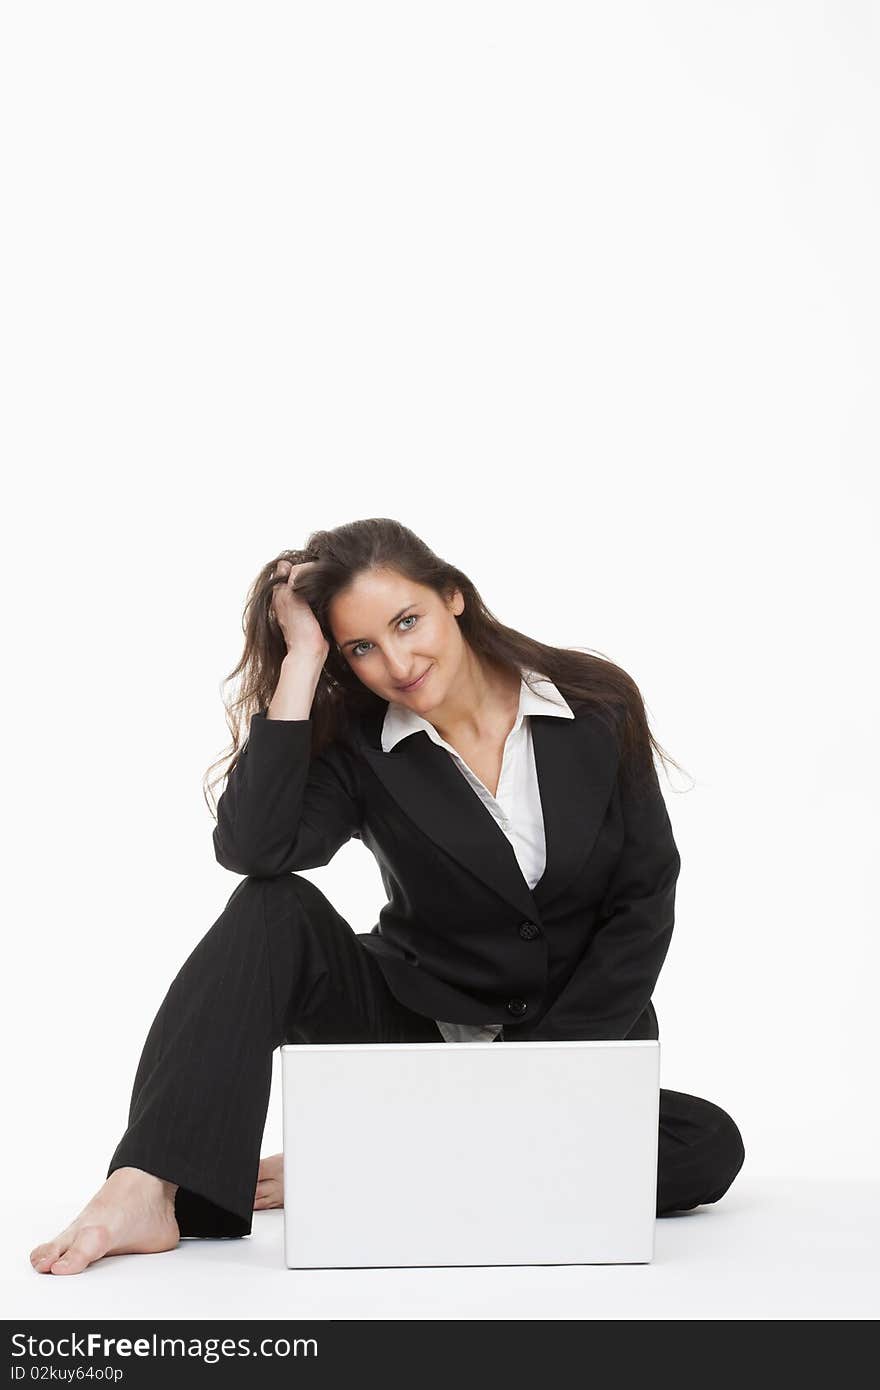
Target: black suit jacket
x: 461, y: 936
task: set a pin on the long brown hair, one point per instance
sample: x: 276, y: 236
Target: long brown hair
x: 582, y: 676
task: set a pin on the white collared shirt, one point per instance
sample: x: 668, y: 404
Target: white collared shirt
x: 516, y: 806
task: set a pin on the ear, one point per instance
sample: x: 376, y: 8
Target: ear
x: 456, y: 603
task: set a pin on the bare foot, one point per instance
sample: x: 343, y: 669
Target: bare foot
x: 132, y: 1214
x: 270, y: 1183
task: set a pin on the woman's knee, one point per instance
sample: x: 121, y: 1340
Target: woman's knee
x: 291, y: 916
x: 725, y: 1134
x: 701, y: 1150
x: 735, y: 1148
x: 725, y: 1152
x: 287, y: 896
x: 291, y: 898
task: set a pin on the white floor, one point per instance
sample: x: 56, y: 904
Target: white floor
x: 771, y: 1248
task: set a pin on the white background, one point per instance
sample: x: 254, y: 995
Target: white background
x: 584, y: 294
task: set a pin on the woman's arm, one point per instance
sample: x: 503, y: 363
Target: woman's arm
x: 613, y: 982
x: 281, y: 809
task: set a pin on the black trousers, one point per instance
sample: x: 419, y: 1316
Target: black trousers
x: 280, y: 965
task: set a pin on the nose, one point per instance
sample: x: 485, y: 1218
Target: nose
x: 402, y: 669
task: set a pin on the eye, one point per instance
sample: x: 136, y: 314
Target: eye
x: 410, y: 617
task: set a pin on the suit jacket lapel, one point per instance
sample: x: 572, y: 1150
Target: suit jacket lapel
x: 576, y: 762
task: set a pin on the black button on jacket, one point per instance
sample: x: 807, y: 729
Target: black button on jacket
x: 449, y: 940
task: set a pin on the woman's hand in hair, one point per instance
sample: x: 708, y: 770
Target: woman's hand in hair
x: 299, y: 626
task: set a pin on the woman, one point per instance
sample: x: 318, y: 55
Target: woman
x: 508, y: 793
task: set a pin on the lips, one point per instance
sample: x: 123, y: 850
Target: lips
x: 415, y: 684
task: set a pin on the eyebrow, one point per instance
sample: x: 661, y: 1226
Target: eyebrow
x: 353, y: 641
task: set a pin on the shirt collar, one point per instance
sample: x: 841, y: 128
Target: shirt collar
x: 401, y: 721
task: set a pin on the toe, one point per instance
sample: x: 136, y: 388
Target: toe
x: 44, y: 1255
x: 89, y: 1243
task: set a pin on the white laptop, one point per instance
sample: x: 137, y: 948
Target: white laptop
x: 518, y: 1153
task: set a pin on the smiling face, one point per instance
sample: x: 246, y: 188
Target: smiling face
x: 392, y: 631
